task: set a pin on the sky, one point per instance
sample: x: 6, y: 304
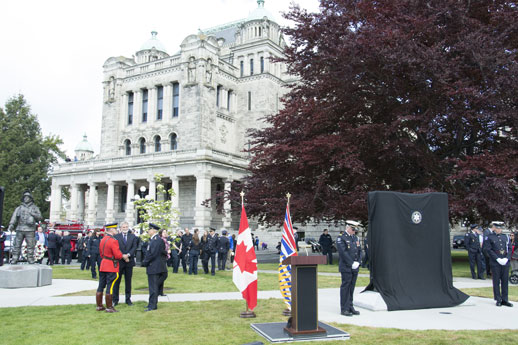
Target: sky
x: 53, y: 51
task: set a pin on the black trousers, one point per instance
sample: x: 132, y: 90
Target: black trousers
x: 347, y: 289
x: 193, y: 264
x: 222, y: 260
x: 66, y: 256
x: 107, y: 280
x: 58, y: 253
x: 127, y: 272
x: 329, y: 253
x: 161, y: 282
x: 476, y: 259
x: 53, y: 255
x: 500, y: 281
x: 488, y: 264
x: 95, y: 259
x: 212, y: 257
x: 153, y: 281
x: 175, y: 260
x: 184, y: 255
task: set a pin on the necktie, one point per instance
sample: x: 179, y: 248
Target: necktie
x: 125, y: 238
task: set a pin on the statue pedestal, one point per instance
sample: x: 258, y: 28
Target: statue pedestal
x: 24, y: 276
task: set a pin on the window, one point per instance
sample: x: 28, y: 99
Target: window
x: 218, y: 95
x: 173, y: 141
x: 158, y: 145
x: 127, y: 147
x: 249, y: 100
x: 251, y: 66
x: 242, y: 68
x: 229, y: 99
x: 262, y: 64
x: 142, y: 144
x: 144, y: 105
x: 130, y: 108
x: 159, y: 102
x: 176, y: 99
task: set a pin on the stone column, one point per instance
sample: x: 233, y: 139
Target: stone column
x: 227, y: 218
x: 152, y: 188
x: 168, y: 102
x: 130, y: 210
x: 72, y: 214
x: 110, y: 202
x: 92, y: 204
x: 124, y: 110
x: 55, y: 204
x: 81, y: 204
x: 152, y: 105
x: 137, y: 107
x: 202, y: 214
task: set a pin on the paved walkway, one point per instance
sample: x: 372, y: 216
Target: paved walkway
x: 479, y: 313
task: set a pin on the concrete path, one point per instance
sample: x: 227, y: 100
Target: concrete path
x: 481, y: 313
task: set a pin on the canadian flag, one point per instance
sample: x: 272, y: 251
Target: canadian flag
x: 244, y: 275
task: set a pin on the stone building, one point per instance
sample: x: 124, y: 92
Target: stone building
x: 182, y: 115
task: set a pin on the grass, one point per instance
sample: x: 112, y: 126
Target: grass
x: 197, y: 323
x: 183, y: 283
x: 321, y: 268
x: 488, y: 292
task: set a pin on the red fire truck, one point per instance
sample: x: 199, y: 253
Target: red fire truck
x: 74, y: 228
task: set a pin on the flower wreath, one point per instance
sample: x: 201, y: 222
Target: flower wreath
x: 39, y: 250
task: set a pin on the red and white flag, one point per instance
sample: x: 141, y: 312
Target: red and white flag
x: 244, y: 275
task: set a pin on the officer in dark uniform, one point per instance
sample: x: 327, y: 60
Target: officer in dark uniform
x: 155, y: 262
x: 66, y: 256
x: 472, y: 243
x: 487, y: 263
x: 93, y: 252
x: 498, y: 247
x: 349, y: 252
x: 52, y: 246
x: 128, y: 245
x: 212, y: 245
x: 223, y: 248
x: 326, y: 242
x: 184, y: 254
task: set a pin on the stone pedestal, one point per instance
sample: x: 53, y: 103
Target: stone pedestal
x: 24, y: 276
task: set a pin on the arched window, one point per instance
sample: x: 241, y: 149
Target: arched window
x: 173, y: 141
x: 158, y: 146
x: 142, y: 145
x: 127, y: 147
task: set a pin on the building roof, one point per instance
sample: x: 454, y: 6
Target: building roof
x: 260, y: 12
x: 153, y: 42
x: 84, y: 145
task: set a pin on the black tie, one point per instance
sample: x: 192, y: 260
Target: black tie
x: 124, y: 238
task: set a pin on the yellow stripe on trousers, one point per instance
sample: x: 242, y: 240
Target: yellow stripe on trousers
x: 111, y: 287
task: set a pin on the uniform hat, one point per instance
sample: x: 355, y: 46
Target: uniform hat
x: 224, y: 232
x: 111, y: 226
x: 497, y: 224
x: 473, y: 226
x: 212, y: 229
x: 154, y: 226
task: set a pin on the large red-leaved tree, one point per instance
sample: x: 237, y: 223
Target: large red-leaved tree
x: 402, y: 95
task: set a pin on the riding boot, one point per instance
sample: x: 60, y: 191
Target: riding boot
x: 99, y: 300
x: 109, y: 304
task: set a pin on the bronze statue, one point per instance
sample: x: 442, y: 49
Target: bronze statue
x: 25, y: 218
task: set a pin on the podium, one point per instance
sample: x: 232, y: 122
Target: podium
x: 304, y: 295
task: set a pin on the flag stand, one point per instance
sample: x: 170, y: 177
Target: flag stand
x: 286, y: 312
x: 247, y: 314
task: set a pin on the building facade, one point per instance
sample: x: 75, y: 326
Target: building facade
x: 184, y: 116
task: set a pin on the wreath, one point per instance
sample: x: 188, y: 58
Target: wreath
x: 39, y: 251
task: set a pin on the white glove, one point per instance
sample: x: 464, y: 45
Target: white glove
x: 502, y: 261
x: 355, y: 265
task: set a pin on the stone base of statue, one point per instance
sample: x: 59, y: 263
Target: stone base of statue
x: 25, y: 276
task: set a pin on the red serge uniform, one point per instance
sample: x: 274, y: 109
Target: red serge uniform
x: 110, y: 254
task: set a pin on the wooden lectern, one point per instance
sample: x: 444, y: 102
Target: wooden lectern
x: 304, y: 294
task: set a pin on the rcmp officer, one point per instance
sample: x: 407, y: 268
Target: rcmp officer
x: 349, y: 252
x: 128, y: 245
x: 474, y: 248
x: 326, y: 242
x: 155, y: 262
x: 109, y: 270
x: 498, y: 247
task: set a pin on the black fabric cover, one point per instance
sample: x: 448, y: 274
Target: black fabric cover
x: 411, y: 263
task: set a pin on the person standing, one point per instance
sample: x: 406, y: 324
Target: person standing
x: 128, y: 246
x: 326, y: 242
x: 487, y: 263
x: 164, y: 236
x: 109, y: 270
x: 233, y: 249
x: 184, y: 255
x: 223, y: 247
x: 52, y: 240
x: 212, y: 245
x: 41, y: 238
x: 349, y: 252
x: 499, y: 249
x: 59, y: 245
x: 80, y: 248
x: 472, y: 244
x: 2, y: 244
x: 93, y: 252
x: 155, y: 262
x: 86, y: 253
x: 67, y: 248
x: 204, y: 243
x: 176, y: 250
x: 194, y: 253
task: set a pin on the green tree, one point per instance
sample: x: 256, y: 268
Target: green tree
x: 26, y: 156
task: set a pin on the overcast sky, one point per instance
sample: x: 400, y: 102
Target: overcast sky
x: 53, y: 51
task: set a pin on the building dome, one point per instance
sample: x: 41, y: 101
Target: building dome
x: 260, y: 12
x: 84, y: 145
x: 153, y: 43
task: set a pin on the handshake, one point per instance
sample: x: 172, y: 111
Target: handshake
x: 502, y: 261
x: 125, y: 257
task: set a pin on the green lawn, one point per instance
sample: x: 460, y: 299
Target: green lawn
x: 195, y: 323
x: 488, y: 292
x: 180, y: 282
x: 321, y: 268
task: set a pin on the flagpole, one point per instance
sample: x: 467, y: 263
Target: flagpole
x: 287, y: 311
x: 247, y: 314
